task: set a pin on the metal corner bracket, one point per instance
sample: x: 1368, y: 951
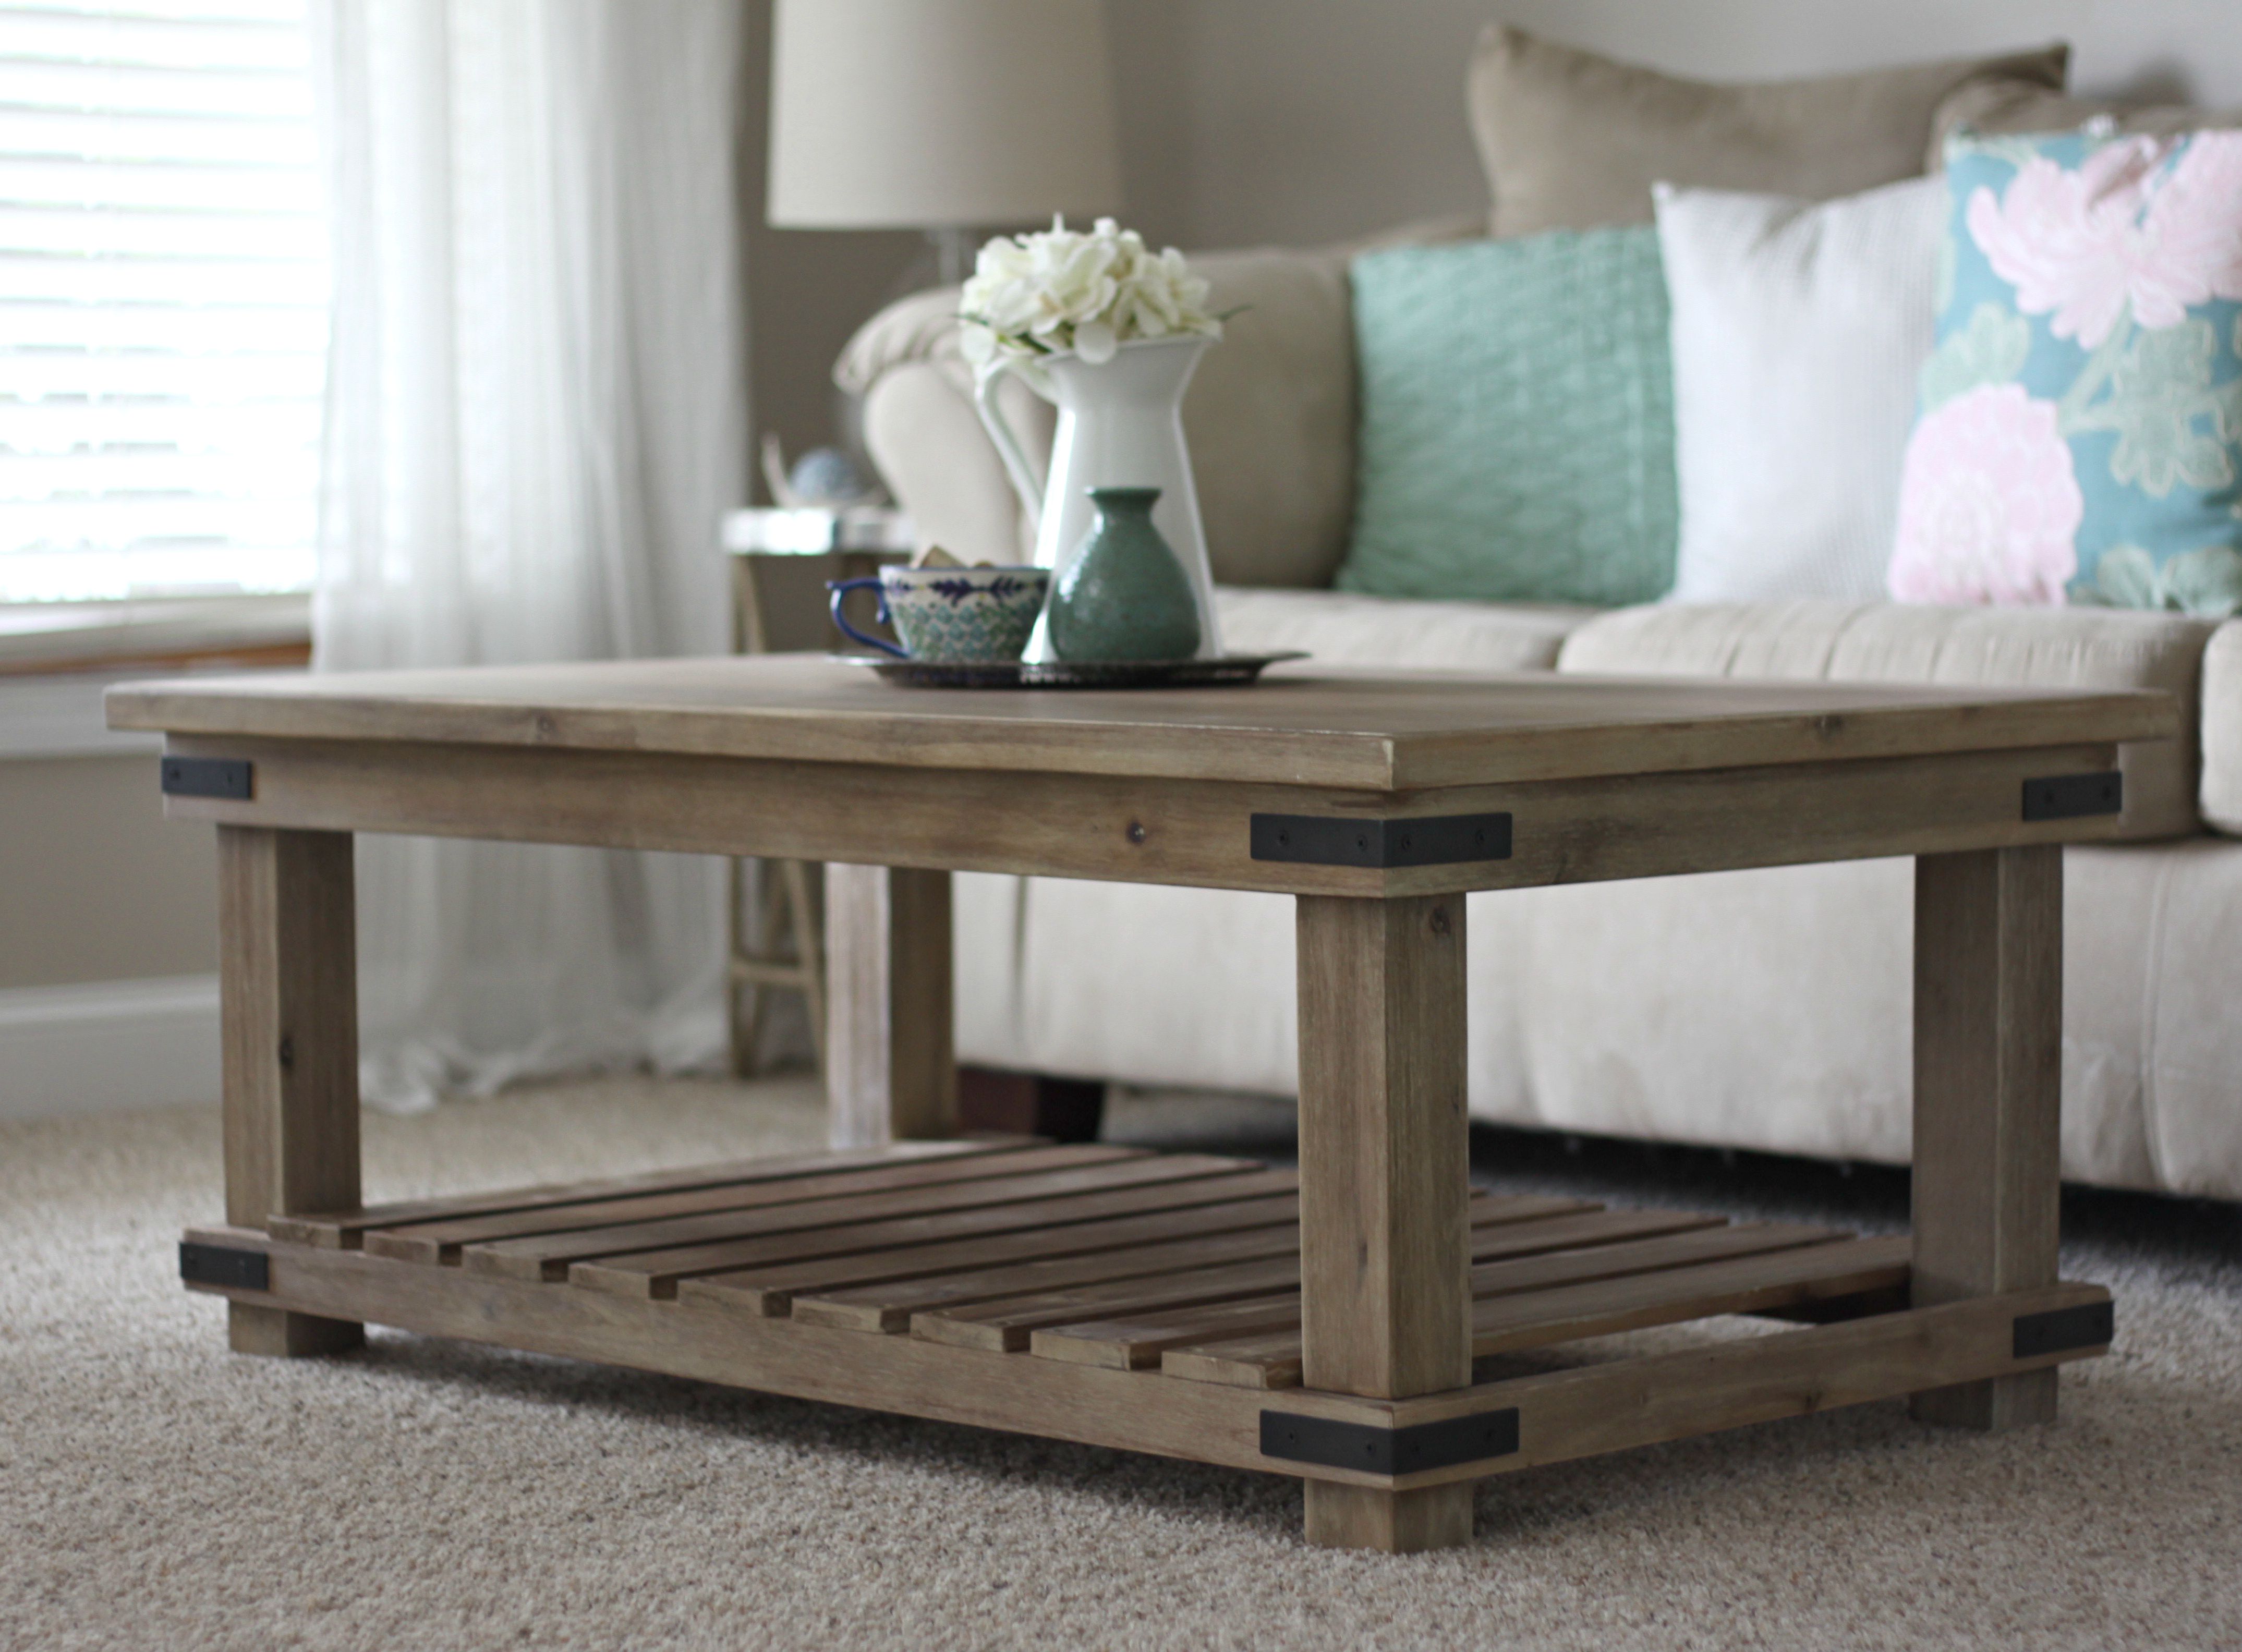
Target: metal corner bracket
x: 1291, y: 1437
x: 222, y: 1265
x: 2075, y: 797
x: 228, y: 777
x: 1336, y: 839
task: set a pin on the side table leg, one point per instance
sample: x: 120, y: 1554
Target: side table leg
x: 1988, y: 1100
x: 1385, y: 1184
x: 889, y: 1068
x: 288, y: 995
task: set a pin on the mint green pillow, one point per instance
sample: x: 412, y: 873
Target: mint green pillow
x: 1516, y: 442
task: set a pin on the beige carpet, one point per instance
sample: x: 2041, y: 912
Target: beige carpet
x: 158, y: 1492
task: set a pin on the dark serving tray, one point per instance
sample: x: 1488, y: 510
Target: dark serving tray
x: 1232, y: 670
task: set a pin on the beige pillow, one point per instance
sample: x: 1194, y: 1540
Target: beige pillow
x: 2012, y: 106
x: 1572, y: 140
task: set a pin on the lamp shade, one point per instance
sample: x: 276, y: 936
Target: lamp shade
x: 934, y: 114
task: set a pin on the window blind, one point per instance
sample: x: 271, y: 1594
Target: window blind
x: 162, y: 298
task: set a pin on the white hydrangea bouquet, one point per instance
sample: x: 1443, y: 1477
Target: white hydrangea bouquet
x: 1061, y: 290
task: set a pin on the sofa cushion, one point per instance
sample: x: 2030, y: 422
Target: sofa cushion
x: 1766, y: 1009
x: 1270, y: 415
x: 1572, y: 140
x: 2222, y: 730
x: 1517, y: 425
x: 1798, y: 327
x: 1888, y: 642
x: 1338, y: 628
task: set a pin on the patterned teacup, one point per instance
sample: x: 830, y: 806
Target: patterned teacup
x: 950, y: 615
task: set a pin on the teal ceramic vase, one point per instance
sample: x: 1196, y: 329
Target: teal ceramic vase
x: 1125, y: 595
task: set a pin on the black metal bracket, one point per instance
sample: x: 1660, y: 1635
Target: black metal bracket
x: 207, y: 777
x: 2071, y: 796
x: 1333, y: 840
x: 1409, y: 1450
x: 2090, y: 1324
x: 222, y: 1265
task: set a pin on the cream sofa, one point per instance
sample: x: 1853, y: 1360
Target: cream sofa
x: 1764, y: 1009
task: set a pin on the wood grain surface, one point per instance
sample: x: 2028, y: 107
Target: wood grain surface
x: 288, y: 1043
x: 1988, y: 1100
x: 1385, y: 731
x: 1141, y: 830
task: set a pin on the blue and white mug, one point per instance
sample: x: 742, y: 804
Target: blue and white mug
x: 950, y: 615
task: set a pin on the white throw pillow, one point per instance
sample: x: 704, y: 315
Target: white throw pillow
x: 1798, y: 329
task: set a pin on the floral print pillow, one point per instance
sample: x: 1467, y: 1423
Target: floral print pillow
x: 2079, y: 434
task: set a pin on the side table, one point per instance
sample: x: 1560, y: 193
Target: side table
x: 780, y: 560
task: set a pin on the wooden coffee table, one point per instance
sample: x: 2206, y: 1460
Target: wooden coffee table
x: 1323, y: 1325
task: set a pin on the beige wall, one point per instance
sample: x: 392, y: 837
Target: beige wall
x: 1300, y: 121
x: 94, y: 884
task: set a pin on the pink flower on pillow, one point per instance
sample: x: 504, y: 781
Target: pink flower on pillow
x: 1990, y: 506
x: 2124, y: 228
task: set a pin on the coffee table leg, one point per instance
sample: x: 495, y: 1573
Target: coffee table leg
x: 889, y: 1068
x: 1987, y: 1099
x: 1386, y: 1307
x: 288, y: 994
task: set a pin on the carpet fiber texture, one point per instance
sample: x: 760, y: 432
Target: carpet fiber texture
x: 156, y: 1492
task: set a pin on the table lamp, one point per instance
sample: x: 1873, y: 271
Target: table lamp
x: 945, y: 116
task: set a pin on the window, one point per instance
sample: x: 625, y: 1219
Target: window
x: 162, y: 299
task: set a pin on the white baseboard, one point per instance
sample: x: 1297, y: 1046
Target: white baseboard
x: 107, y: 1047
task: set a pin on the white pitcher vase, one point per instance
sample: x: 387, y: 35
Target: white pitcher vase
x: 1120, y: 425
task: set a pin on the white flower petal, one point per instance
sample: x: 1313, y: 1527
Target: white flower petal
x: 1066, y: 289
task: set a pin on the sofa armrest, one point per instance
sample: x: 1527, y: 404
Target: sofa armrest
x: 923, y: 435
x: 1269, y: 417
x: 2221, y: 796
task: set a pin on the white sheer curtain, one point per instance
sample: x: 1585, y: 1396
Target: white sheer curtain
x: 535, y: 417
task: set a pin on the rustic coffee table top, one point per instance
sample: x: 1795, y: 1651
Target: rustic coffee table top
x: 1308, y: 725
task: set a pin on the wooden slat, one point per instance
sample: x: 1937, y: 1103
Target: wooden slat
x: 1007, y: 1325
x: 342, y: 1230
x: 1156, y: 1249
x: 1129, y: 1344
x: 725, y: 1264
x: 1644, y: 1256
x: 442, y: 1241
x: 1005, y: 1321
x: 549, y: 1256
x: 1542, y: 1318
x: 971, y: 1268
x: 1588, y: 1228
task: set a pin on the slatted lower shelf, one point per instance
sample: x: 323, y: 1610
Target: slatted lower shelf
x: 1132, y: 1298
